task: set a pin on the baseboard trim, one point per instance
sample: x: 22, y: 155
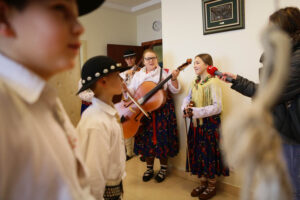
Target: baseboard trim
x: 221, y: 185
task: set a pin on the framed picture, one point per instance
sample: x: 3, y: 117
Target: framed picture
x: 222, y: 15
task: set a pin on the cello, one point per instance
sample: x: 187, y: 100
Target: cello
x: 136, y: 68
x: 148, y: 97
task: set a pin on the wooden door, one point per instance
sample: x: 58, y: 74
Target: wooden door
x: 116, y: 52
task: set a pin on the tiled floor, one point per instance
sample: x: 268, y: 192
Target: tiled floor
x: 173, y: 188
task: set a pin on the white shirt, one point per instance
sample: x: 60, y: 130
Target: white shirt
x: 39, y: 158
x: 102, y: 144
x: 142, y: 76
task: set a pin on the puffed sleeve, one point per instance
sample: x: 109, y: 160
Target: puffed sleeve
x: 135, y: 82
x: 186, y: 100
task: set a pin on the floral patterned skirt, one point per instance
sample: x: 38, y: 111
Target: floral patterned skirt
x: 204, y: 157
x: 158, y: 137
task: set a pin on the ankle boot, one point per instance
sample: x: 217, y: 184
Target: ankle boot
x: 149, y: 173
x: 198, y: 190
x: 210, y: 191
x: 161, y: 175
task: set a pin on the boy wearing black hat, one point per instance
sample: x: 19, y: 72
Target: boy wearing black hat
x: 130, y: 59
x: 100, y: 131
x: 39, y: 157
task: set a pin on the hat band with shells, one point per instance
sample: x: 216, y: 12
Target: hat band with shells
x: 98, y: 74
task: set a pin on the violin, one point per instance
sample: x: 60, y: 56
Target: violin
x: 188, y: 110
x: 148, y: 97
x: 136, y: 68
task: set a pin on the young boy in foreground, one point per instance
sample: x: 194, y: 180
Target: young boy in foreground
x: 39, y: 155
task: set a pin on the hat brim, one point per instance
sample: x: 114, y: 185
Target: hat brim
x: 88, y: 85
x: 129, y: 55
x: 87, y: 6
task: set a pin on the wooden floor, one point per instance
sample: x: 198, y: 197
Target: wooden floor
x: 173, y: 188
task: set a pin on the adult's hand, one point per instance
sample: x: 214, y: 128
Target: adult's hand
x: 175, y: 74
x: 225, y: 75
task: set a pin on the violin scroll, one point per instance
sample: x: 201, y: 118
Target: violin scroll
x: 184, y: 65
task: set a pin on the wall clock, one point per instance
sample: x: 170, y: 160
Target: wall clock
x: 156, y: 25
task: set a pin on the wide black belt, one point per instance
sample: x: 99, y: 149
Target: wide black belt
x: 113, y: 192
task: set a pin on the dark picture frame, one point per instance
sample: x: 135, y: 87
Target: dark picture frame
x: 222, y: 15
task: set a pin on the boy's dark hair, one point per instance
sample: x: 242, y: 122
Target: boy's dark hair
x: 93, y: 86
x: 18, y: 4
x: 288, y: 19
x: 84, y: 6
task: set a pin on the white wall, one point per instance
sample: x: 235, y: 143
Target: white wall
x: 144, y: 26
x: 101, y: 27
x: 108, y: 26
x: 234, y: 51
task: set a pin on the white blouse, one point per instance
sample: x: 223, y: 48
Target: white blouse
x: 206, y: 111
x: 102, y: 143
x: 142, y: 76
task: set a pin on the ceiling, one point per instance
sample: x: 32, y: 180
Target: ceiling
x: 131, y: 5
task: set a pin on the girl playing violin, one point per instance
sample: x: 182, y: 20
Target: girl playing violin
x: 204, y: 158
x: 158, y: 136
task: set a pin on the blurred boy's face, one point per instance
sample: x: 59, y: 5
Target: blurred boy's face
x: 45, y: 36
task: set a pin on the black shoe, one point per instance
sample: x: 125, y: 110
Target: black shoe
x: 148, y: 175
x: 143, y: 159
x: 161, y: 175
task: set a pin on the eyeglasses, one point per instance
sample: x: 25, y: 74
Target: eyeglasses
x: 150, y: 58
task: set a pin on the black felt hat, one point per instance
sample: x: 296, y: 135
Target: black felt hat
x: 96, y: 68
x: 128, y: 53
x: 87, y: 6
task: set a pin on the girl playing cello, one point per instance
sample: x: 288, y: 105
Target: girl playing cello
x: 157, y: 137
